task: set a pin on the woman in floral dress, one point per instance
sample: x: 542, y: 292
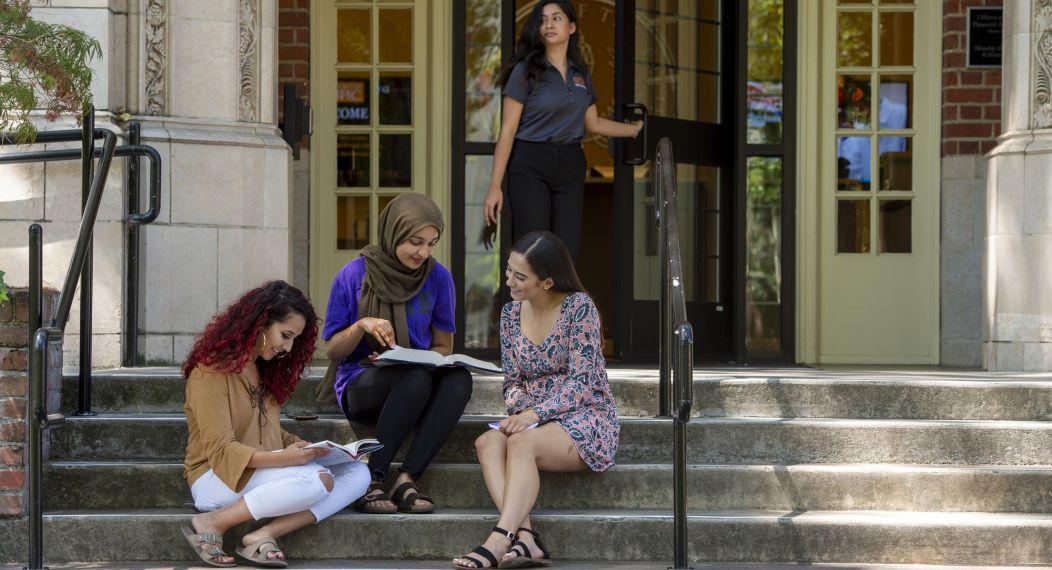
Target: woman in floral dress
x: 561, y: 414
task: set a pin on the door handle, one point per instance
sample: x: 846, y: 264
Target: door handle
x: 637, y: 111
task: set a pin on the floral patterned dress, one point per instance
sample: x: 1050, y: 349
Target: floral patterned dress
x: 564, y: 378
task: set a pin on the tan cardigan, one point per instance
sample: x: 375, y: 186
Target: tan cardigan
x: 225, y: 429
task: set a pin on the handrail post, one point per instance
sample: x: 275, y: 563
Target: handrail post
x: 684, y: 360
x: 131, y: 260
x: 36, y: 280
x: 663, y: 160
x: 86, y: 274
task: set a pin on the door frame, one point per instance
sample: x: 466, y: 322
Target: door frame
x: 815, y: 37
x: 431, y: 154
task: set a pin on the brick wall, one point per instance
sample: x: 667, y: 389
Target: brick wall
x: 14, y: 391
x: 294, y: 50
x: 971, y: 97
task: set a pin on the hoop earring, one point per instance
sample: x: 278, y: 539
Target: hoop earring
x: 264, y: 341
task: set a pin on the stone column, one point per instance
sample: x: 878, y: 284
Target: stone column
x: 1017, y: 320
x: 204, y: 87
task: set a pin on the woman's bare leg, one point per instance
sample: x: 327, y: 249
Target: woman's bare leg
x: 546, y: 448
x: 285, y: 524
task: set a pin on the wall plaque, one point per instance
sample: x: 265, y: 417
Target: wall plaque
x: 984, y: 37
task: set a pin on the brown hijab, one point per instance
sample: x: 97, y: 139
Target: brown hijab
x: 388, y: 283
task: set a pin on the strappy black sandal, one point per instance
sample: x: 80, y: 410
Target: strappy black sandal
x: 407, y: 494
x: 525, y: 558
x: 485, y: 553
x: 367, y: 502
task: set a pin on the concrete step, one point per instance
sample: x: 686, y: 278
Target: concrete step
x: 758, y: 441
x: 131, y: 485
x: 718, y: 393
x: 445, y: 564
x: 871, y: 537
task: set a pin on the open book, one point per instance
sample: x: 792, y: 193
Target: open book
x: 400, y: 355
x: 343, y: 453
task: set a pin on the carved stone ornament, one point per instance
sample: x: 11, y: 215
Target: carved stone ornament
x: 1042, y: 50
x: 156, y: 53
x: 248, y: 59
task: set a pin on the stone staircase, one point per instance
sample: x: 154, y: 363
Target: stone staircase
x: 794, y: 465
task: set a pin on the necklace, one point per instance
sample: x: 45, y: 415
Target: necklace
x: 257, y: 397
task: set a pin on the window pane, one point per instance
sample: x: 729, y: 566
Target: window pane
x: 855, y: 39
x: 896, y: 38
x: 396, y: 98
x: 354, y: 36
x: 482, y: 97
x: 352, y: 160
x: 896, y: 163
x: 852, y: 164
x: 852, y: 226
x: 896, y: 226
x: 384, y: 201
x: 396, y: 160
x: 696, y: 224
x: 352, y: 98
x: 895, y: 101
x: 763, y: 260
x: 396, y: 36
x: 352, y: 222
x: 854, y: 101
x: 482, y: 274
x: 765, y: 72
x: 677, y: 71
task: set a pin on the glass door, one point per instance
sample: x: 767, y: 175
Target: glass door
x: 676, y: 57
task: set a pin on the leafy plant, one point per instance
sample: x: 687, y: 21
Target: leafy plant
x: 42, y: 66
x: 3, y: 288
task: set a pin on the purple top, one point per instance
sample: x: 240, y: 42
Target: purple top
x: 432, y: 306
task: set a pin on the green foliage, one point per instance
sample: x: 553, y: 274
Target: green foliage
x: 41, y: 66
x: 3, y: 288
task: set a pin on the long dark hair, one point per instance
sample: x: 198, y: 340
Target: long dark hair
x: 530, y: 47
x: 548, y: 257
x: 229, y: 340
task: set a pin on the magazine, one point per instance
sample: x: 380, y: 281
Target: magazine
x: 353, y: 451
x: 400, y: 355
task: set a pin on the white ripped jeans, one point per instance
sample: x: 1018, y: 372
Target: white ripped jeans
x: 276, y: 491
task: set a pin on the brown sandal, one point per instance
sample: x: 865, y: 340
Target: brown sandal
x: 367, y: 502
x: 208, y: 546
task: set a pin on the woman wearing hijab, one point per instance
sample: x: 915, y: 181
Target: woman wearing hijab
x: 396, y: 294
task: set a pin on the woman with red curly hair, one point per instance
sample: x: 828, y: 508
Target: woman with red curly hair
x: 240, y: 464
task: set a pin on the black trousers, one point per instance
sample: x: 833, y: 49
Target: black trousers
x: 396, y: 398
x: 546, y: 190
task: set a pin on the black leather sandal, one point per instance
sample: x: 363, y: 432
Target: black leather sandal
x: 367, y: 502
x: 525, y: 558
x: 484, y: 552
x: 407, y: 494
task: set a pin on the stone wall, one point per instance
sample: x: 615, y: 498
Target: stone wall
x: 971, y: 121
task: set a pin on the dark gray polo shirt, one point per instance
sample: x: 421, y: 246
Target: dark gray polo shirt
x: 553, y: 110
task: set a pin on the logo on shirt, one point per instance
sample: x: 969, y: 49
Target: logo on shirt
x: 579, y: 81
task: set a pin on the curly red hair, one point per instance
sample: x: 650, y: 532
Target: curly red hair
x: 229, y: 340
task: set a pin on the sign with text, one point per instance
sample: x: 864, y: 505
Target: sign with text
x: 985, y: 27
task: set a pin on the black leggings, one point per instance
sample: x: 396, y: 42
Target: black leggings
x: 395, y: 398
x: 546, y: 190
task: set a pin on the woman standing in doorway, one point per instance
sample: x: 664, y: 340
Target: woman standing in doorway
x: 548, y: 104
x: 397, y: 294
x: 561, y: 413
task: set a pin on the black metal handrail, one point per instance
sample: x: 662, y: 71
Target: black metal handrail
x: 676, y: 341
x: 41, y: 335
